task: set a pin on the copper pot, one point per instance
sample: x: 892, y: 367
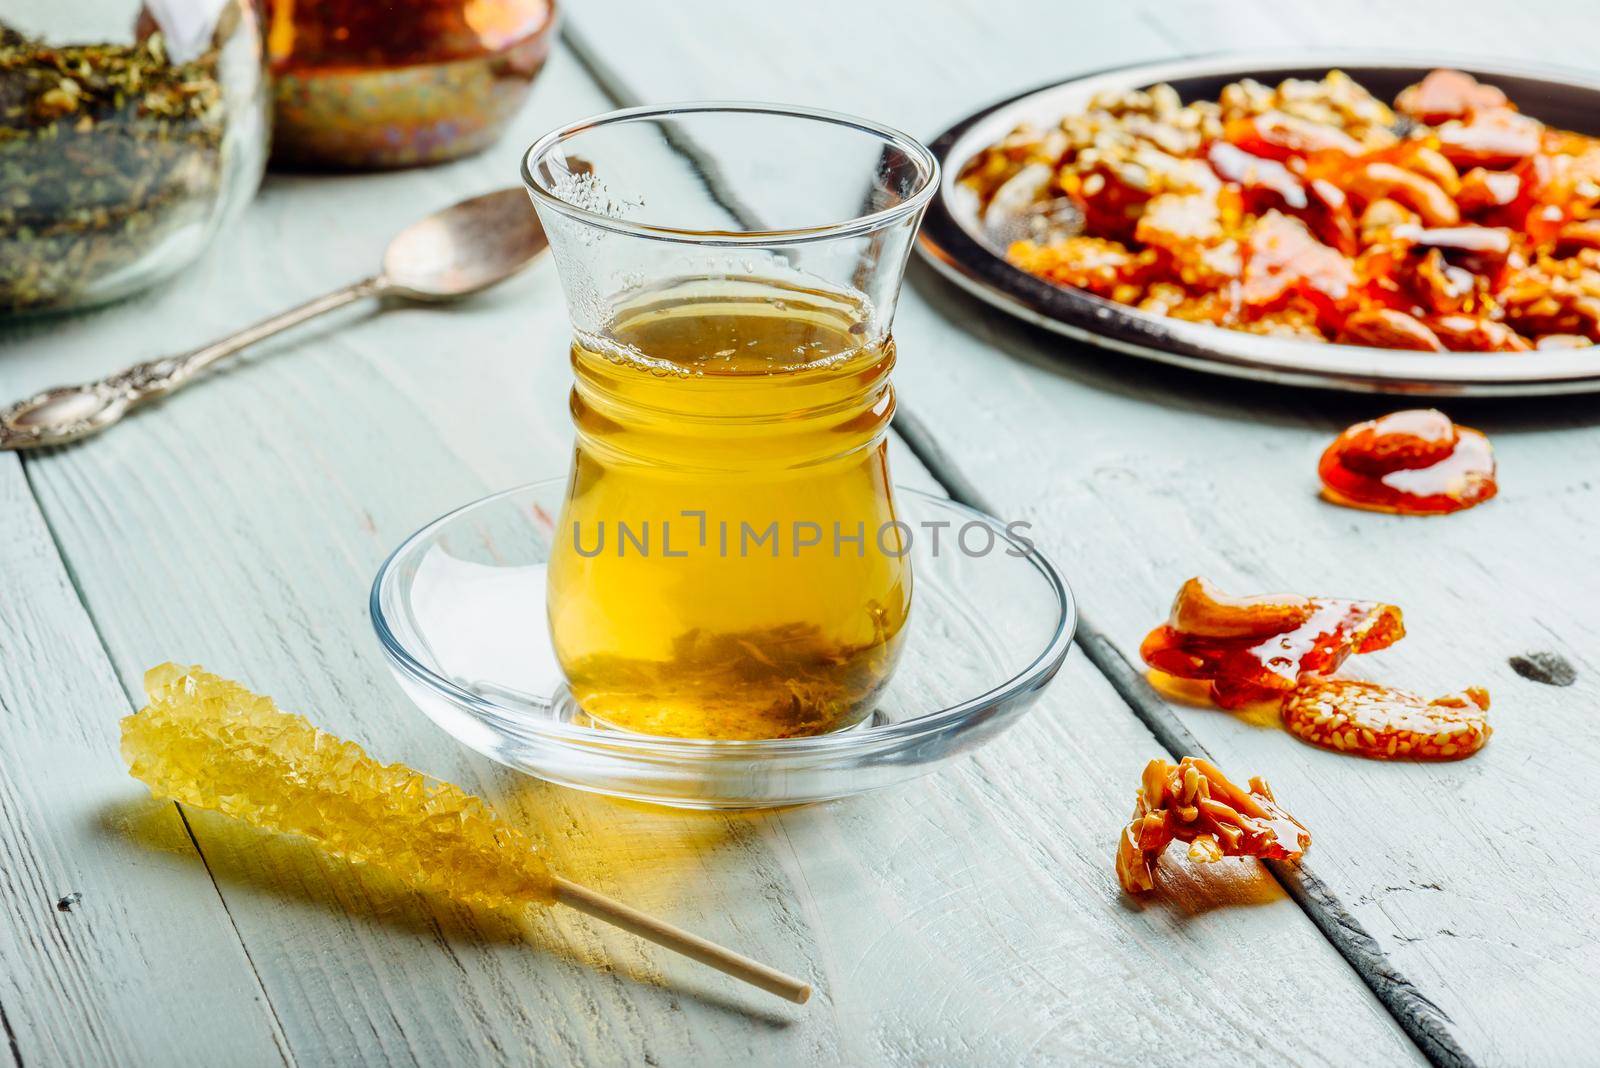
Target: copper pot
x: 361, y: 85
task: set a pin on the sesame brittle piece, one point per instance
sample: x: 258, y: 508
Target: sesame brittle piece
x: 1372, y: 720
x: 1192, y: 801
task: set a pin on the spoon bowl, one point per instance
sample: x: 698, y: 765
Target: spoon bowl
x: 464, y: 248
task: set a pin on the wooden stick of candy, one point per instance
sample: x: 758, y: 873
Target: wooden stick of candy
x: 209, y: 742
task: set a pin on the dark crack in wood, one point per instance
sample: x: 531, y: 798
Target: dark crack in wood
x: 1552, y: 669
x: 1424, y: 1022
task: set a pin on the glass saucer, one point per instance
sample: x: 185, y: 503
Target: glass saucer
x: 460, y: 611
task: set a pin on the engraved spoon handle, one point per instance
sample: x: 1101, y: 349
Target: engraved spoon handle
x: 67, y: 413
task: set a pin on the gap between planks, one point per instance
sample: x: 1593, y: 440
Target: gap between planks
x: 134, y: 703
x: 96, y: 644
x: 1423, y: 1021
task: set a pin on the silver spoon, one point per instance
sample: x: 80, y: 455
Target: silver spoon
x: 450, y: 254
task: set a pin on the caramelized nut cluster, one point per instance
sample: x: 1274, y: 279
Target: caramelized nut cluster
x: 1252, y: 649
x: 1312, y: 210
x: 1413, y: 462
x: 1191, y: 801
x: 1281, y: 649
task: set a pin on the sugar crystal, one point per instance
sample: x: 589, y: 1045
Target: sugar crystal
x: 209, y: 742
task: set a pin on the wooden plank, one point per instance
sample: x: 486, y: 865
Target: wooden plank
x: 1140, y: 476
x: 916, y: 71
x: 972, y: 916
x: 115, y: 946
x: 1438, y: 862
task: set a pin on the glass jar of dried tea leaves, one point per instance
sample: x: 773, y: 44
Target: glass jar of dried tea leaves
x: 128, y: 133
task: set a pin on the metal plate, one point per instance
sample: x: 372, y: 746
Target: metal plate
x: 952, y: 238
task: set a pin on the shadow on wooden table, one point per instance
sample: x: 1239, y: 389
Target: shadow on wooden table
x: 652, y: 856
x: 293, y: 872
x: 1196, y: 694
x: 289, y: 873
x: 1185, y: 890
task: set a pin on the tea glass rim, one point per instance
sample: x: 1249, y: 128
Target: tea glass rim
x: 927, y: 165
x: 1039, y: 671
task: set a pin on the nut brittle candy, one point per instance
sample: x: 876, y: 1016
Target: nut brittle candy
x: 1303, y: 212
x: 1257, y: 648
x: 1384, y: 723
x: 209, y: 742
x: 1192, y: 801
x: 1414, y: 462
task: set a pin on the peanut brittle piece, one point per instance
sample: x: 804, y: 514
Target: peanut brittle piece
x: 1498, y: 138
x: 1414, y: 462
x: 1381, y: 722
x: 1448, y: 94
x: 1192, y: 801
x: 1386, y: 328
x: 1277, y: 136
x: 1382, y: 180
x: 1105, y: 268
x: 1471, y: 333
x: 1282, y: 259
x: 1257, y: 648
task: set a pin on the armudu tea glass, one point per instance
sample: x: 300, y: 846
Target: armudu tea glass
x: 728, y: 561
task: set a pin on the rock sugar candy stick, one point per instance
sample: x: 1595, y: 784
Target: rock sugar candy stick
x: 209, y: 742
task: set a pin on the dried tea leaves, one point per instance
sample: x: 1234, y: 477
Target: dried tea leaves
x: 106, y: 151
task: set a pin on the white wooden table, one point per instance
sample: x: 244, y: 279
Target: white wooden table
x: 1445, y: 912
